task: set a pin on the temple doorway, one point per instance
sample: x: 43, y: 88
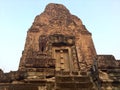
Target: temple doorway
x: 63, y: 59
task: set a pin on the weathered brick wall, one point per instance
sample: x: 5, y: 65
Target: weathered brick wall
x: 56, y: 19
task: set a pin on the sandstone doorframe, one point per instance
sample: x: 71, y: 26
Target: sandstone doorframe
x: 59, y: 43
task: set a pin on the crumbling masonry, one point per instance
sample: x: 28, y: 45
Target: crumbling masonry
x: 59, y: 54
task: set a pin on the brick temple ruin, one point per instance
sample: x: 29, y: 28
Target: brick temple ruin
x: 59, y: 54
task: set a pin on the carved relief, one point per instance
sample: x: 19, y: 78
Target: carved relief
x: 62, y: 49
x: 60, y: 40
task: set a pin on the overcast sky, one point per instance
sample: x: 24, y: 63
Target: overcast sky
x: 101, y: 18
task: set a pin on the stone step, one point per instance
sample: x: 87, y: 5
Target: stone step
x: 74, y: 83
x: 72, y: 79
x: 19, y: 87
x: 74, y: 89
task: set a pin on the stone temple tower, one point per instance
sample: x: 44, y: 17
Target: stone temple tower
x: 57, y: 39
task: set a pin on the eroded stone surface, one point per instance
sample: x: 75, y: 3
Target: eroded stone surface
x: 56, y: 22
x: 59, y: 54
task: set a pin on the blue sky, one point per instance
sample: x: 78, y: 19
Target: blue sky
x: 101, y: 18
